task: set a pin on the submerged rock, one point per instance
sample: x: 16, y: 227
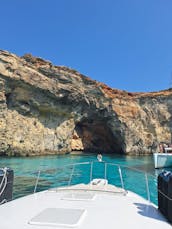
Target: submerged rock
x: 47, y: 109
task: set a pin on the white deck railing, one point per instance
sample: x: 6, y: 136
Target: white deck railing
x: 92, y: 174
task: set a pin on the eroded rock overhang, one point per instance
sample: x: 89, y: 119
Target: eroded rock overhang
x: 95, y: 135
x: 46, y: 109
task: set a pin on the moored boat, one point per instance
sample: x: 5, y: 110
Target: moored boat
x: 163, y: 159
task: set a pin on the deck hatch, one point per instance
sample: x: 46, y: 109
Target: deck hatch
x: 59, y: 217
x: 78, y: 196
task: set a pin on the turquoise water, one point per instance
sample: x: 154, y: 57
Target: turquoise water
x: 55, y: 172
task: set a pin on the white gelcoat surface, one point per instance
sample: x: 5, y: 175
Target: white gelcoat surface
x: 106, y: 211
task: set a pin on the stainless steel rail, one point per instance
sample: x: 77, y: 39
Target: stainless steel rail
x: 106, y: 164
x: 37, y: 179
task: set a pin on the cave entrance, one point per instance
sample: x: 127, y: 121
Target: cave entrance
x: 95, y: 136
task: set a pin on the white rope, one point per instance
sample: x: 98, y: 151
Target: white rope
x: 3, y: 201
x: 4, y: 181
x: 164, y: 195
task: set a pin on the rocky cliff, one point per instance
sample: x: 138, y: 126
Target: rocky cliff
x: 47, y: 109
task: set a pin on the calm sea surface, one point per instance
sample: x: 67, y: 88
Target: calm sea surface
x: 55, y: 172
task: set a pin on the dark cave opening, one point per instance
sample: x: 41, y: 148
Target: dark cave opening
x: 96, y: 137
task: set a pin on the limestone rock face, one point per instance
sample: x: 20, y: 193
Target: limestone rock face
x: 46, y: 109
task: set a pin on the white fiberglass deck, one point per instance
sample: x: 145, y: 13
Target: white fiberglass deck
x: 92, y: 210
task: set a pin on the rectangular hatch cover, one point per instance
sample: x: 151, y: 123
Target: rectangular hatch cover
x: 78, y: 196
x: 59, y: 217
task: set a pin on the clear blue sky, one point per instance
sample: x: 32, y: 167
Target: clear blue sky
x: 126, y: 44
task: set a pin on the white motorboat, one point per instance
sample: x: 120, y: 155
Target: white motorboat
x: 163, y: 160
x: 97, y: 204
